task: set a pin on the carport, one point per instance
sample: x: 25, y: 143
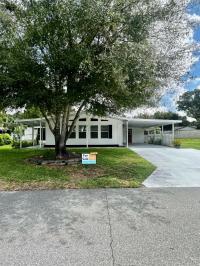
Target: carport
x: 139, y: 131
x: 35, y: 123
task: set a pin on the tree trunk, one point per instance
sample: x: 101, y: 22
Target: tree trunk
x: 60, y: 147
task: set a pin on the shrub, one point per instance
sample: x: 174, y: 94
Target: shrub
x: 5, y: 139
x: 177, y: 143
x: 157, y: 142
x: 25, y: 143
x: 1, y: 141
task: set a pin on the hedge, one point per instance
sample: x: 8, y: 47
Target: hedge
x: 5, y: 139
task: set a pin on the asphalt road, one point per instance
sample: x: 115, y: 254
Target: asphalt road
x: 175, y: 167
x: 147, y: 227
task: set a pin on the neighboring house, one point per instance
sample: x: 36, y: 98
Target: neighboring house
x: 110, y: 131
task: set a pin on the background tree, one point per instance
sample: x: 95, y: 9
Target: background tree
x: 28, y: 113
x: 167, y: 116
x: 66, y: 56
x: 190, y: 103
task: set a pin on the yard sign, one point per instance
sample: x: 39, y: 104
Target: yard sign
x: 89, y: 158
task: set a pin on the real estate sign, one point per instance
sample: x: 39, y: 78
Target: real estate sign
x: 89, y: 158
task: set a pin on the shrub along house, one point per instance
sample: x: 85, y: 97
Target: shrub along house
x: 107, y: 131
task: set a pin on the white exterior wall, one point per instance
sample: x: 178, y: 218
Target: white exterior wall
x: 28, y: 134
x: 117, y: 133
x: 137, y: 135
x: 167, y: 140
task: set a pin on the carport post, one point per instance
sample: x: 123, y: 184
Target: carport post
x: 87, y: 132
x: 40, y: 133
x: 33, y: 135
x: 173, y: 132
x: 20, y: 135
x: 127, y: 133
x: 162, y: 133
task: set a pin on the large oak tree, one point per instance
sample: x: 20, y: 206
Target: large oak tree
x: 190, y: 103
x: 65, y: 56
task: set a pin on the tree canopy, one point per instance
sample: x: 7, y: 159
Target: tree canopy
x: 190, y: 103
x: 101, y: 56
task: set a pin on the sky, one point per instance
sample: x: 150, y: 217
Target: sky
x: 168, y: 102
x: 195, y: 70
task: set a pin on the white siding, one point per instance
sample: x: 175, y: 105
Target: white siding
x: 117, y: 133
x: 28, y: 134
x: 138, y: 136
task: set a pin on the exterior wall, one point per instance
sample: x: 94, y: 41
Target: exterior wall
x: 117, y: 133
x: 137, y: 135
x: 167, y: 140
x: 28, y: 134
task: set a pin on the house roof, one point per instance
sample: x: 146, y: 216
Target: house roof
x: 147, y: 123
x: 134, y: 122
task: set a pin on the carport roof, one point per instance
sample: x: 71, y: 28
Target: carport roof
x: 133, y: 122
x: 147, y: 123
x: 31, y: 122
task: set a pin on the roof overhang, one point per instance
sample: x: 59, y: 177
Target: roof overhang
x: 148, y: 123
x: 33, y: 122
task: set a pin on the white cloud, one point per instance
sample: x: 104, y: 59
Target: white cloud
x: 194, y: 18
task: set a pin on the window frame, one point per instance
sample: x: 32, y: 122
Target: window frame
x: 94, y: 131
x: 85, y: 131
x: 109, y: 131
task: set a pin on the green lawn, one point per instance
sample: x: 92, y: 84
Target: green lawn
x: 190, y: 143
x: 116, y: 167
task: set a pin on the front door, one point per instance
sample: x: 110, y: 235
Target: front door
x: 130, y: 136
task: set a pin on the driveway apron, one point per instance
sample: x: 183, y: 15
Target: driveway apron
x: 175, y: 167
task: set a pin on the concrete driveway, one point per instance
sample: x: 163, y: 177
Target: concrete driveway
x: 122, y: 227
x: 175, y: 167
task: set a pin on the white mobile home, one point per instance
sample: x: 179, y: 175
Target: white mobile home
x: 111, y: 131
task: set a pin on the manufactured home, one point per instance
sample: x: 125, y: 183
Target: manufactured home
x: 108, y: 131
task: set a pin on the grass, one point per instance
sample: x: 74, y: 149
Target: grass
x: 116, y: 167
x: 190, y: 143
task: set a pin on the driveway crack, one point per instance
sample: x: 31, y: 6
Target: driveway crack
x: 110, y: 229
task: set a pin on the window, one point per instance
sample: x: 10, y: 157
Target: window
x: 94, y: 119
x: 82, y: 119
x: 43, y: 131
x: 106, y: 132
x: 73, y: 134
x: 104, y: 120
x: 94, y: 132
x: 82, y: 132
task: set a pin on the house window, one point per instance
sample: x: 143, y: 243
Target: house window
x: 106, y: 120
x: 82, y: 132
x: 73, y: 134
x: 94, y: 132
x: 106, y: 132
x: 94, y: 119
x: 82, y: 119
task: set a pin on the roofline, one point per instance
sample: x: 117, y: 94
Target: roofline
x: 113, y: 117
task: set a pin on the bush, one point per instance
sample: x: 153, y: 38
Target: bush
x: 25, y: 143
x: 5, y: 139
x: 157, y: 142
x: 177, y: 143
